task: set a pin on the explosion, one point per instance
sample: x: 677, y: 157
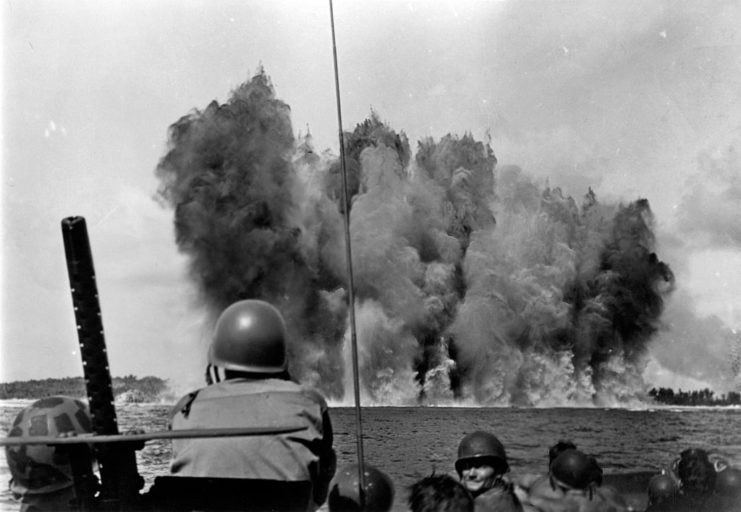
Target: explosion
x: 471, y: 287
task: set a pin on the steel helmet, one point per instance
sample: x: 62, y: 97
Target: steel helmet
x: 41, y: 468
x: 249, y: 336
x: 728, y: 482
x: 483, y: 447
x: 344, y: 490
x: 662, y: 488
x: 575, y: 469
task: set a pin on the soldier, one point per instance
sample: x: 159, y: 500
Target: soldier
x: 574, y: 480
x: 344, y: 491
x: 481, y: 466
x: 662, y: 493
x: 250, y: 386
x: 42, y: 475
x: 541, y: 484
x: 726, y: 496
x: 697, y: 476
x: 439, y: 493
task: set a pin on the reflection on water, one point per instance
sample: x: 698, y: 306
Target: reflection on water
x: 409, y: 443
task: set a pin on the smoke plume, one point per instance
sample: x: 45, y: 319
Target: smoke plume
x: 472, y: 284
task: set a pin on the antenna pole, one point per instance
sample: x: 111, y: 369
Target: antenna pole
x: 350, y: 283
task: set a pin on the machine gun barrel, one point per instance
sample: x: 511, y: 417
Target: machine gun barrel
x: 120, y: 480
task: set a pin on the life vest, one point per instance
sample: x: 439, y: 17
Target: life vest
x: 247, y: 403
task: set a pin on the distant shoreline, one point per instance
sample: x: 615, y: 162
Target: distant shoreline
x: 128, y: 389
x: 150, y: 389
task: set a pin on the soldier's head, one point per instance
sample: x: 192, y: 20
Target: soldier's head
x: 38, y: 469
x: 696, y: 472
x: 345, y: 494
x: 439, y: 493
x: 481, y: 461
x: 728, y: 482
x: 575, y: 470
x: 662, y: 489
x: 249, y: 340
x: 558, y: 448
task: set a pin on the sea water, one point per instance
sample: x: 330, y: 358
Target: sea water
x: 411, y: 442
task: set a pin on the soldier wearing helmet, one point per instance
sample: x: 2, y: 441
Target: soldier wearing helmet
x: 345, y: 495
x: 574, y: 481
x: 42, y: 475
x: 695, y: 474
x: 662, y: 493
x: 439, y: 493
x: 540, y: 484
x: 726, y: 496
x: 249, y: 385
x: 700, y: 476
x: 481, y: 466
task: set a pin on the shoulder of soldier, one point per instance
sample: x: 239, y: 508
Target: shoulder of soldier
x: 542, y: 488
x: 183, y: 403
x: 500, y: 498
x: 314, y: 395
x: 611, y: 495
x: 528, y: 480
x: 551, y: 504
x: 185, y: 398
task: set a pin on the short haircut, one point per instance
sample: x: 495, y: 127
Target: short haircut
x: 439, y: 493
x: 558, y: 448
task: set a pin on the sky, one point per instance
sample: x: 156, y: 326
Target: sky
x: 633, y: 98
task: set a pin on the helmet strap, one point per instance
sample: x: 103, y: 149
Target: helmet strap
x: 212, y: 374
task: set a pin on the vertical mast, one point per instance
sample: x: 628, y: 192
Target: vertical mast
x: 350, y: 283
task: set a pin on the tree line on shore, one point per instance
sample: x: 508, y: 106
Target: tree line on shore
x: 128, y: 388
x: 697, y: 397
x: 152, y: 389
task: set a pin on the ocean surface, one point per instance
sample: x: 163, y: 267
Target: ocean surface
x: 410, y: 442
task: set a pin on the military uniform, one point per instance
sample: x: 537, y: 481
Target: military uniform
x: 500, y: 498
x: 306, y: 455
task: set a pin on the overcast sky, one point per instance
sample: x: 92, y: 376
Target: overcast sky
x: 634, y: 98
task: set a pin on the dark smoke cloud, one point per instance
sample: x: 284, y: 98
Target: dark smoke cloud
x: 467, y: 288
x: 229, y: 174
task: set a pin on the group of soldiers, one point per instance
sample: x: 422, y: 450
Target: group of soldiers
x: 248, y: 385
x: 695, y: 482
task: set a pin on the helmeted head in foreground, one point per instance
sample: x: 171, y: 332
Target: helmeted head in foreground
x: 344, y: 490
x: 661, y: 489
x: 482, y: 447
x: 558, y: 448
x: 439, y: 493
x: 41, y: 468
x: 728, y: 482
x: 481, y: 463
x: 574, y: 469
x: 249, y: 336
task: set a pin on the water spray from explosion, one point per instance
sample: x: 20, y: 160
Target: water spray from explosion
x: 472, y: 286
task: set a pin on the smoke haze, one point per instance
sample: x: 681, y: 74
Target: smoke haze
x: 474, y: 283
